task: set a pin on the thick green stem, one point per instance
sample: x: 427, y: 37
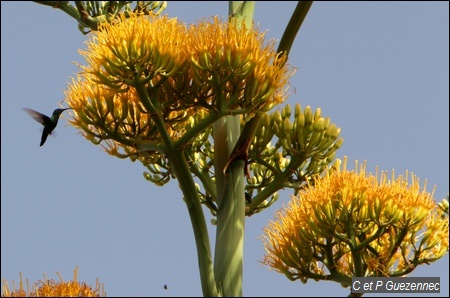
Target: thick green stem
x: 242, y: 10
x: 231, y: 208
x: 230, y: 185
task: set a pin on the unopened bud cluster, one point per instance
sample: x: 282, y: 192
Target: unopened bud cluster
x: 304, y: 147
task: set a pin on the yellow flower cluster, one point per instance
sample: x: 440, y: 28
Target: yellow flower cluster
x: 231, y: 56
x: 351, y: 223
x: 146, y: 74
x: 51, y: 288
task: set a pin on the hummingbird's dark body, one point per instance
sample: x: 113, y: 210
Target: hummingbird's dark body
x: 49, y: 123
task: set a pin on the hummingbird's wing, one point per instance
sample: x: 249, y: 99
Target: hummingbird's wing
x: 41, y: 118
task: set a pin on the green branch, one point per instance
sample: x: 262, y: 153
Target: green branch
x: 297, y: 18
x: 181, y: 170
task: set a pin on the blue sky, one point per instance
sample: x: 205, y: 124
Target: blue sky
x: 379, y: 70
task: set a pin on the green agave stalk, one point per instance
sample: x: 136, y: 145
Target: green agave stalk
x: 230, y: 179
x: 230, y: 185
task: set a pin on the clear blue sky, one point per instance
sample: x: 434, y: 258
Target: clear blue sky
x: 380, y: 70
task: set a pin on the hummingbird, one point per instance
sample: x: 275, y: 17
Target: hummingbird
x: 49, y: 123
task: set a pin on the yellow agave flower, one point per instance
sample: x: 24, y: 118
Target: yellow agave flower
x: 242, y: 74
x: 51, y: 288
x: 149, y: 77
x: 351, y: 223
x: 124, y: 58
